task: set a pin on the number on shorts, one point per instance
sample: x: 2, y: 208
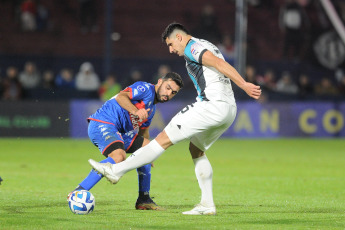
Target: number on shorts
x: 185, y: 109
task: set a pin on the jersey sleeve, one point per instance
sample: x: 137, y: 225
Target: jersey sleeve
x: 194, y: 51
x: 138, y: 91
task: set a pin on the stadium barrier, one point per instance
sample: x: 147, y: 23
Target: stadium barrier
x: 254, y: 120
x: 34, y: 119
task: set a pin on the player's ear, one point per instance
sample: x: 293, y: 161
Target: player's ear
x: 179, y: 37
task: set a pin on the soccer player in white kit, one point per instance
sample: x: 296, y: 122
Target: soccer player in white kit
x: 202, y: 122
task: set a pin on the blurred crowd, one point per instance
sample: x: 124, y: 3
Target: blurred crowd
x: 35, y: 15
x: 299, y: 29
x: 19, y: 83
x: 301, y: 86
x: 16, y: 83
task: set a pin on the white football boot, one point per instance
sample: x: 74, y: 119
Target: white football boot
x: 106, y: 170
x: 201, y: 210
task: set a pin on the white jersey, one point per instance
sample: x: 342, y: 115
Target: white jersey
x: 210, y: 84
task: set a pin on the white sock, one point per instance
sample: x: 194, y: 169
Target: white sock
x: 203, y: 172
x: 142, y: 156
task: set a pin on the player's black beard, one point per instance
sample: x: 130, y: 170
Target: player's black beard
x: 159, y: 97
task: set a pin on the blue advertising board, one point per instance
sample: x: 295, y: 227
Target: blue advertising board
x: 253, y: 120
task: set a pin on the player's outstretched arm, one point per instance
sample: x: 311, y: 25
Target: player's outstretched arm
x: 208, y: 59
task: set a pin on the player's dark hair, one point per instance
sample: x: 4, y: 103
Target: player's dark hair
x: 170, y: 29
x: 175, y: 77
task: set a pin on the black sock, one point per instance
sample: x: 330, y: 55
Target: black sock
x: 144, y: 195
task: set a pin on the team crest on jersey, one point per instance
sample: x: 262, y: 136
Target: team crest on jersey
x: 141, y: 88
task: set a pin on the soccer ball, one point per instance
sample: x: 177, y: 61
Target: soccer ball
x: 81, y: 202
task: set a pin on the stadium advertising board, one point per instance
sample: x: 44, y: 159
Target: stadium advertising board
x: 34, y: 119
x: 80, y: 110
x: 253, y: 120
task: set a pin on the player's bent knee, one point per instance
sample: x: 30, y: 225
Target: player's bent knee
x: 118, y: 155
x: 163, y: 140
x: 145, y: 142
x: 195, y: 151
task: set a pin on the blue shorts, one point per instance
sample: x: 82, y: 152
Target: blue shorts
x: 107, y: 138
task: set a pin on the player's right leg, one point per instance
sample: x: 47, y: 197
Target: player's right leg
x: 222, y: 115
x: 110, y: 143
x: 203, y: 172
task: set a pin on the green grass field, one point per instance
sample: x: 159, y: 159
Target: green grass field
x: 258, y: 184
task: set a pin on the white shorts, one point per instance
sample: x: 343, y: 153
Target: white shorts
x: 202, y: 122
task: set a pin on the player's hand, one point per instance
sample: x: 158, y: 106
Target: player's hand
x: 252, y: 90
x: 142, y: 114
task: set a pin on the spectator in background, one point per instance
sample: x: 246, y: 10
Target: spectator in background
x: 208, y: 28
x: 250, y: 74
x: 326, y: 88
x: 227, y: 48
x: 341, y: 86
x: 88, y: 16
x: 286, y: 85
x: 109, y: 88
x: 30, y: 77
x: 28, y: 11
x: 267, y: 81
x: 65, y: 79
x: 294, y: 23
x: 339, y: 74
x: 305, y: 87
x: 87, y: 79
x: 48, y: 80
x: 161, y: 71
x: 12, y: 89
x: 135, y: 75
x: 42, y: 16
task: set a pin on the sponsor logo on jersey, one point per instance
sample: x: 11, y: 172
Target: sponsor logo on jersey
x: 136, y: 122
x: 141, y: 88
x: 225, y: 80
